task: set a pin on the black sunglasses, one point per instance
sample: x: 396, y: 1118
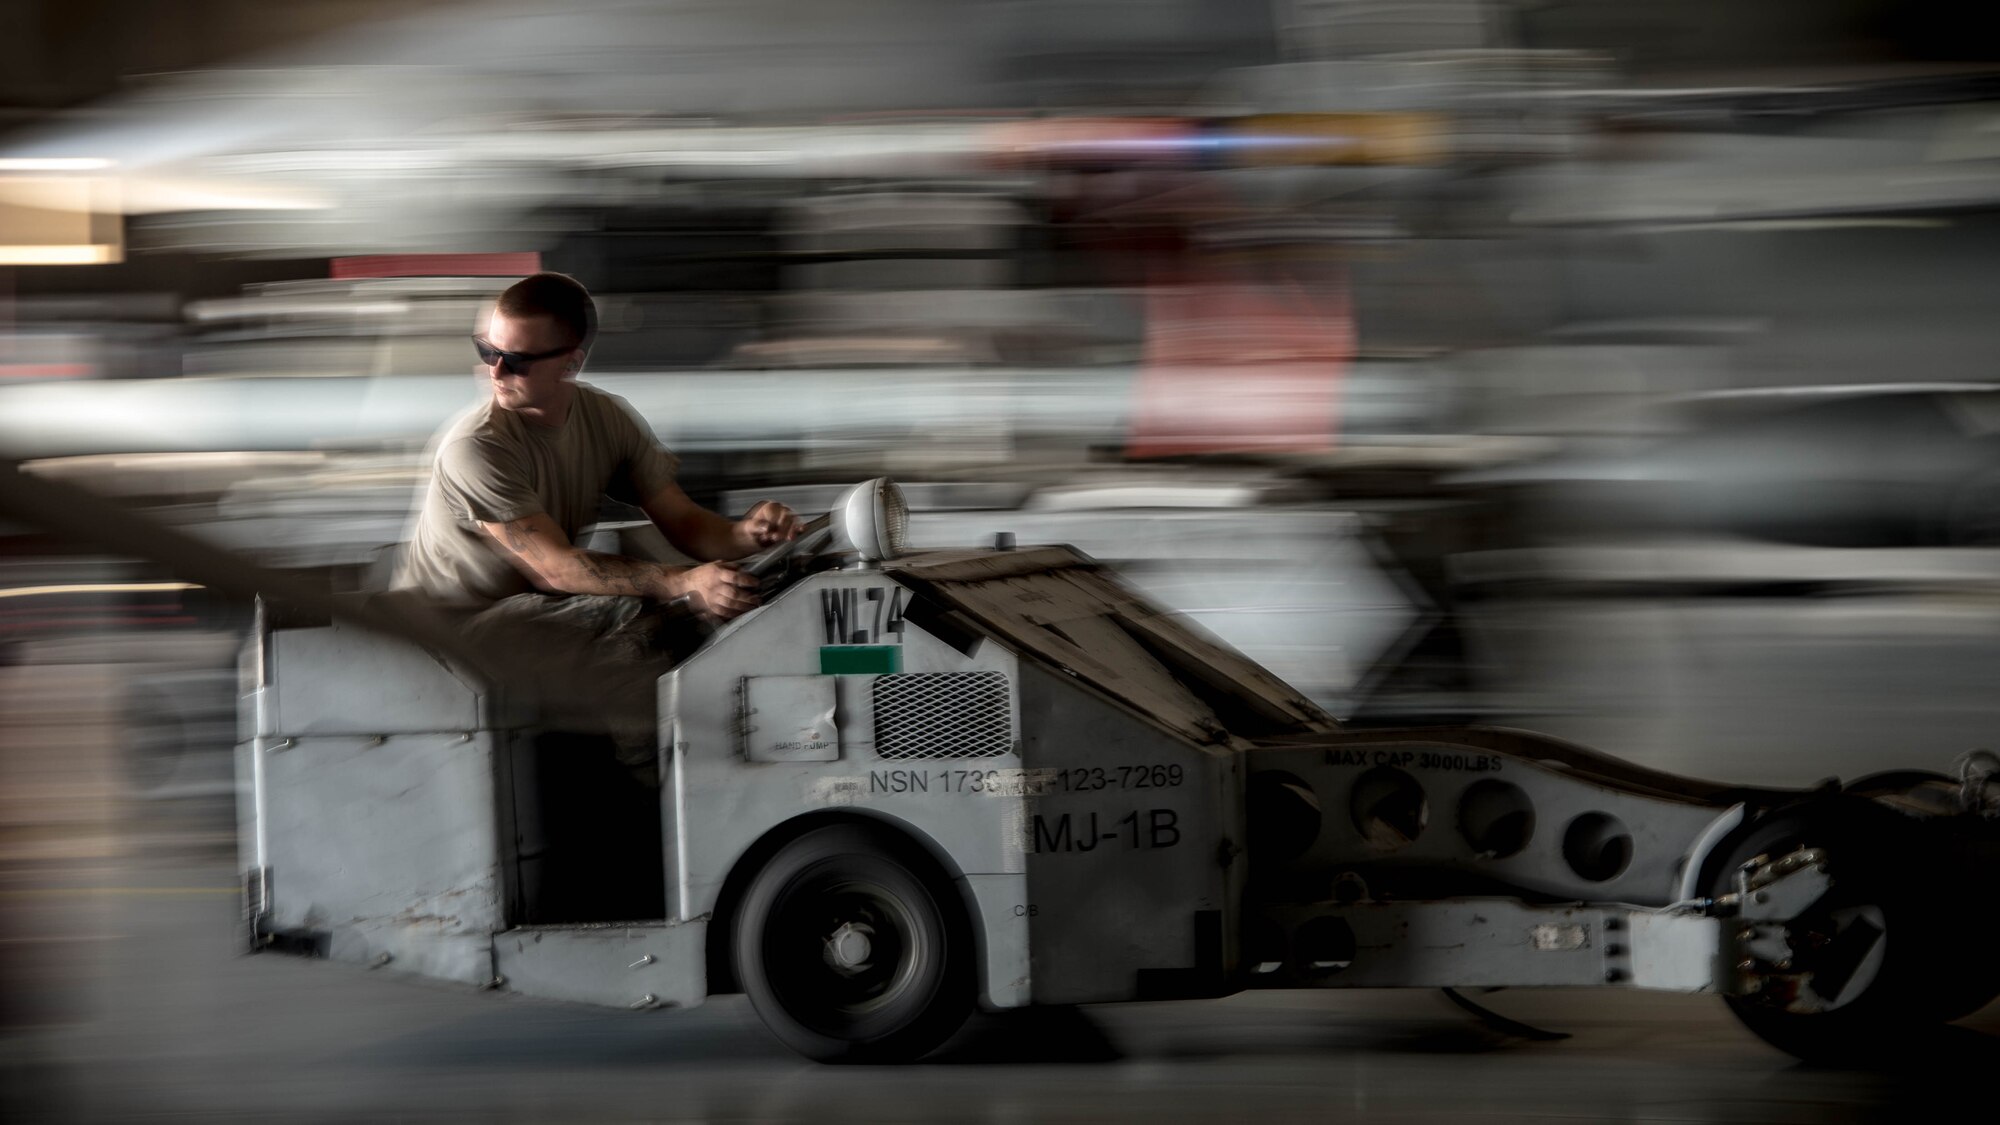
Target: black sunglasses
x: 513, y: 363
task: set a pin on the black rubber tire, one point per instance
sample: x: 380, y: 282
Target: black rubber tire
x: 1871, y: 853
x: 915, y: 987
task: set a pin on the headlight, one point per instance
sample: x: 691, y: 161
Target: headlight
x: 874, y: 519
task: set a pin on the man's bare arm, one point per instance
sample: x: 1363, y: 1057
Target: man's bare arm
x: 692, y: 529
x: 700, y: 533
x: 538, y: 548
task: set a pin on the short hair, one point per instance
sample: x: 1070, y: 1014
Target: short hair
x: 557, y: 296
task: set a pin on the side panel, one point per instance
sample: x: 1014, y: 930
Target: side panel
x: 970, y: 810
x: 638, y: 966
x: 1133, y: 873
x: 386, y: 848
x: 789, y: 719
x: 1433, y: 819
x: 342, y: 680
x: 1492, y: 942
x: 1003, y: 904
x: 249, y: 816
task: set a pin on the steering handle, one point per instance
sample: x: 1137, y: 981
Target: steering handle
x: 811, y: 538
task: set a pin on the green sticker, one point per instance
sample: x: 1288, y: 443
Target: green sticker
x: 860, y: 660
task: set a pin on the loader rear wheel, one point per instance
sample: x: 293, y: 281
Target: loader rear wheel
x: 854, y: 949
x: 1871, y: 946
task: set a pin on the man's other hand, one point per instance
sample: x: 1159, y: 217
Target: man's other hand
x: 767, y: 525
x: 718, y: 590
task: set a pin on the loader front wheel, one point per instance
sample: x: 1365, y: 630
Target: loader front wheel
x: 852, y: 948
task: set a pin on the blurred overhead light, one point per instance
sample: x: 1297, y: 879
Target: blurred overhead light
x: 52, y: 164
x: 206, y: 312
x: 97, y: 588
x: 152, y: 195
x: 71, y: 255
x: 59, y: 221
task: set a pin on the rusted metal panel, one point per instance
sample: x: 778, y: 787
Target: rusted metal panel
x: 1106, y: 638
x: 1058, y: 606
x: 1193, y: 654
x: 982, y: 565
x: 1021, y: 610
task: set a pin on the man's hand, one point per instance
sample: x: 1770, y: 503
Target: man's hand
x: 767, y: 525
x: 717, y: 590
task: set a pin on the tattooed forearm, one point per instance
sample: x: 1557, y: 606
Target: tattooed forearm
x: 615, y: 574
x: 543, y: 553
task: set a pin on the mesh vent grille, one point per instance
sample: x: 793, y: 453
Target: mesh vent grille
x: 942, y: 715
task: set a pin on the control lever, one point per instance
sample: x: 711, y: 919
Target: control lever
x: 812, y: 538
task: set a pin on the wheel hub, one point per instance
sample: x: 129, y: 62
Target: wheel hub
x: 849, y: 947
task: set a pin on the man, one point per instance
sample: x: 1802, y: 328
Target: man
x: 517, y: 478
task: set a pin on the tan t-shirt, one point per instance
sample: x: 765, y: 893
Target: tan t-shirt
x: 493, y: 466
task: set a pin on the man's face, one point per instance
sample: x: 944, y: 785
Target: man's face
x: 542, y: 384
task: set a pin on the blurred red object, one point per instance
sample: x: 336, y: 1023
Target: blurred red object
x: 48, y: 371
x: 437, y: 265
x: 1241, y: 367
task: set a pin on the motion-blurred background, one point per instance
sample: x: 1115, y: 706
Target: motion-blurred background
x: 1617, y: 368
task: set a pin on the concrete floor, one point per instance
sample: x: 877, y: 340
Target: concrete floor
x: 157, y: 1020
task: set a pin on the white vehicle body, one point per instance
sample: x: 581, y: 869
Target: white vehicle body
x: 1099, y: 804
